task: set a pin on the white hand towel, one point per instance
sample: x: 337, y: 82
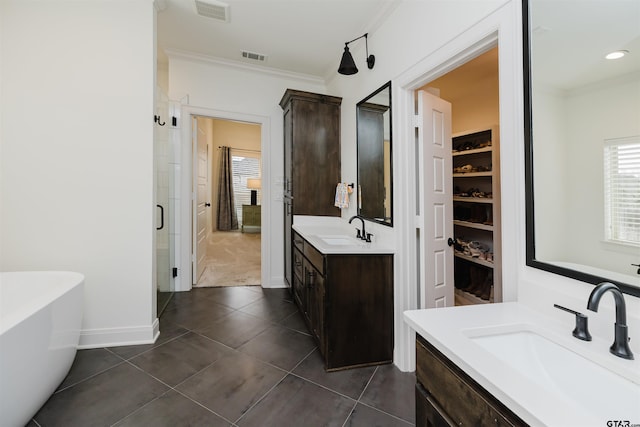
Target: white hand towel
x: 342, y: 196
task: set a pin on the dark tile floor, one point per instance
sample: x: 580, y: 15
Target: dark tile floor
x: 236, y: 356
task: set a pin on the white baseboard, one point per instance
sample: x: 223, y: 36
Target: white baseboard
x: 115, y: 337
x: 276, y: 282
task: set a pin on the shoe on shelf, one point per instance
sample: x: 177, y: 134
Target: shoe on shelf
x: 477, y: 248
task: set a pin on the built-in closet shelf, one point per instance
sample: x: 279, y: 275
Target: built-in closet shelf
x: 474, y: 260
x: 466, y: 298
x: 476, y: 225
x: 478, y: 153
x: 474, y: 151
x: 472, y: 174
x: 473, y: 199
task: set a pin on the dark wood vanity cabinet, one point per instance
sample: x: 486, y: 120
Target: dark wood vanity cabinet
x: 312, y: 151
x: 347, y: 303
x: 311, y: 159
x: 447, y: 396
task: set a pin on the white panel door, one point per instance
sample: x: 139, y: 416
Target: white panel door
x: 200, y: 201
x: 434, y: 136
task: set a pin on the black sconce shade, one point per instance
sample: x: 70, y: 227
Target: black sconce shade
x: 347, y: 65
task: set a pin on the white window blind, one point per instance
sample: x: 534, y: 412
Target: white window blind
x: 245, y: 164
x: 622, y: 190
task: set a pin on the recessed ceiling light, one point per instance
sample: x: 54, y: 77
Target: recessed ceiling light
x: 617, y: 54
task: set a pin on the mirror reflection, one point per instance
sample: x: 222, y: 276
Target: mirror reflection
x: 584, y: 135
x: 373, y: 116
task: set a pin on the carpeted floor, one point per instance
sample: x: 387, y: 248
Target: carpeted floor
x: 233, y: 259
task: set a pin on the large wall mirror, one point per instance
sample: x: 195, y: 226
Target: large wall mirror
x: 582, y: 130
x: 375, y: 182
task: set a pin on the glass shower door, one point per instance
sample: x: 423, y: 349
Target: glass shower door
x: 163, y: 183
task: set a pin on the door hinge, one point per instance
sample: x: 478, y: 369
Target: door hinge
x: 174, y: 121
x: 417, y: 121
x: 174, y: 272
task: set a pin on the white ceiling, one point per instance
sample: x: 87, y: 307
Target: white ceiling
x: 570, y: 40
x: 301, y: 36
x: 307, y: 36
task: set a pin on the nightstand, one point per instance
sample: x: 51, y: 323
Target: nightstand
x: 251, y: 217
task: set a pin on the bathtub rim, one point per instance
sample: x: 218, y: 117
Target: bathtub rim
x: 13, y: 318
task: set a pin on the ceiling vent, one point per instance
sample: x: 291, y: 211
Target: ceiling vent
x: 213, y: 9
x: 254, y: 56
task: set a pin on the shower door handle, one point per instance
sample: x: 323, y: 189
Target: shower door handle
x: 161, y: 218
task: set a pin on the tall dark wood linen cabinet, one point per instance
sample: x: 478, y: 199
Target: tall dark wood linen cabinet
x: 311, y: 159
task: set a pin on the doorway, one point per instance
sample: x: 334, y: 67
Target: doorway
x: 227, y: 250
x: 472, y: 91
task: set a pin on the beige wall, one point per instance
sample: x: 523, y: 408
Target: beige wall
x: 237, y: 135
x: 472, y: 90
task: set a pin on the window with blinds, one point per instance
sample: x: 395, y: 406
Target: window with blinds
x: 622, y: 190
x: 245, y: 164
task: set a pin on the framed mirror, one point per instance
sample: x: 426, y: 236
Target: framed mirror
x: 582, y: 136
x: 375, y: 183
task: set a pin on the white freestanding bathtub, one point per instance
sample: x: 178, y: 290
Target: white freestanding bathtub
x: 40, y: 319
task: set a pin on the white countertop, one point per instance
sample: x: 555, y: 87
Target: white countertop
x: 450, y: 331
x: 313, y: 229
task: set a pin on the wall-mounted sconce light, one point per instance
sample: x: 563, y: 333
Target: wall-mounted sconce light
x: 347, y: 65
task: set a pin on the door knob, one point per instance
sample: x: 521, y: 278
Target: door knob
x: 207, y: 204
x: 451, y: 242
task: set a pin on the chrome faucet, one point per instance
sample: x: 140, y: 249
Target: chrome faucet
x: 361, y: 235
x: 620, y: 346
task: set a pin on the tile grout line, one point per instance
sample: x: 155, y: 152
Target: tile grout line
x: 262, y: 397
x: 92, y: 375
x: 201, y: 405
x: 286, y: 373
x: 373, y: 407
x: 169, y: 388
x: 368, y: 382
x: 360, y: 397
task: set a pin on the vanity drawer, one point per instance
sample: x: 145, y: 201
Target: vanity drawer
x: 298, y: 242
x: 428, y: 412
x: 463, y: 400
x: 315, y: 258
x: 297, y: 263
x: 300, y: 294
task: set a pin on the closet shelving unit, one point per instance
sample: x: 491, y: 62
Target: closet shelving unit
x: 476, y: 202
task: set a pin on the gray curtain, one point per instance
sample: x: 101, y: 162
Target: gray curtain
x: 227, y: 217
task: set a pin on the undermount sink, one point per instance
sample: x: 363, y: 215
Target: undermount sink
x: 563, y: 372
x: 339, y: 240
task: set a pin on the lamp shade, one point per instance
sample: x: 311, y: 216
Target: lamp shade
x: 347, y: 65
x: 254, y: 183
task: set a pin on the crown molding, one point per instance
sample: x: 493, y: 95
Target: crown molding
x: 212, y: 60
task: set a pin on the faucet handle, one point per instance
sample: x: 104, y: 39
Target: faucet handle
x: 581, y: 330
x: 358, y: 235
